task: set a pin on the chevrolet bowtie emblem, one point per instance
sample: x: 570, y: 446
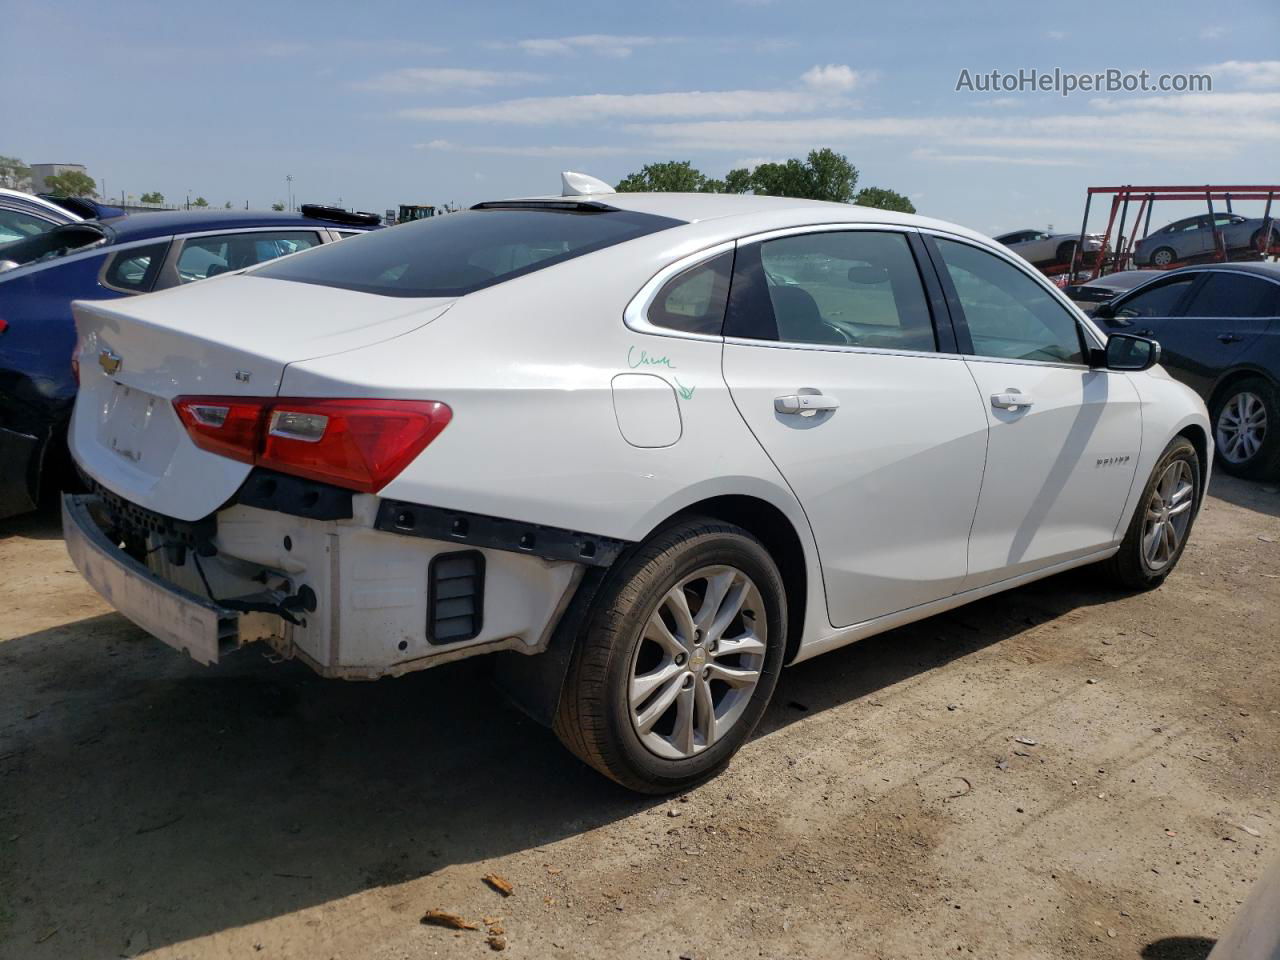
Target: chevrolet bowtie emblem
x: 109, y: 362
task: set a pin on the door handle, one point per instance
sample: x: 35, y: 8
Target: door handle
x: 804, y: 403
x: 1146, y: 333
x: 1010, y: 400
x: 1229, y: 338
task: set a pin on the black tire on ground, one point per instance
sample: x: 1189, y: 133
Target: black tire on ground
x: 594, y: 717
x: 1265, y: 463
x: 1066, y: 251
x: 1129, y: 567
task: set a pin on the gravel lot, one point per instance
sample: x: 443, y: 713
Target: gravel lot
x: 884, y: 808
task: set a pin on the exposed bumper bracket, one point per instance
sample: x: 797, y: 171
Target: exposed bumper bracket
x: 496, y: 533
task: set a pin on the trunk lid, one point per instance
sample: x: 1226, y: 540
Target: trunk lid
x: 230, y: 336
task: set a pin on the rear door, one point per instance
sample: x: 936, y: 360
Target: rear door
x: 1219, y: 322
x: 832, y: 357
x: 1064, y: 438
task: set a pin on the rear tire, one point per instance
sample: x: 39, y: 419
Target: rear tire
x: 661, y: 692
x: 1246, y: 429
x: 1161, y: 522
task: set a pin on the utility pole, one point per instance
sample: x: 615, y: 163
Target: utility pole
x: 288, y: 185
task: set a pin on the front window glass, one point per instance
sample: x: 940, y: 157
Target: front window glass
x: 1008, y: 313
x: 15, y: 225
x: 1155, y: 301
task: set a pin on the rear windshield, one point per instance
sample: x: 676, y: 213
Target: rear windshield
x: 55, y: 243
x: 454, y: 254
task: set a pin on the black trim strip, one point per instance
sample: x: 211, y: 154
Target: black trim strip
x: 497, y: 533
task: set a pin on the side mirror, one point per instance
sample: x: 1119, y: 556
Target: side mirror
x: 1126, y: 352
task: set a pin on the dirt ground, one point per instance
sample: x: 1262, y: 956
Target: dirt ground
x: 884, y: 809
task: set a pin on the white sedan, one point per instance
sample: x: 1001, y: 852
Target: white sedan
x: 644, y: 448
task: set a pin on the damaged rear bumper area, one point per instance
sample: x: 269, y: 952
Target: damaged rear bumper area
x: 350, y: 596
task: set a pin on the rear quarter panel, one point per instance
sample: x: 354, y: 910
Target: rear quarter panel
x: 527, y: 368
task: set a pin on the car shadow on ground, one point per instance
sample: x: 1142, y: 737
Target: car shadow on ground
x: 1262, y: 496
x: 141, y: 785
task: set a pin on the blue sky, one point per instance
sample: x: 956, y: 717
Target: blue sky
x: 387, y: 102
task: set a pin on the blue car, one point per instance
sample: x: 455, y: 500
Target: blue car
x: 103, y: 260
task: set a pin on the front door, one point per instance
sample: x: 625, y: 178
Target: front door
x: 832, y: 360
x: 1212, y: 330
x: 1064, y: 438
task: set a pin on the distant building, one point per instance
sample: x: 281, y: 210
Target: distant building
x: 41, y: 170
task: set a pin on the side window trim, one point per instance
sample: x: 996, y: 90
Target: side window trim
x: 124, y: 251
x: 1083, y: 332
x: 635, y: 316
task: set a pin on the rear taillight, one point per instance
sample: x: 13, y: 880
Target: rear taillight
x: 357, y: 444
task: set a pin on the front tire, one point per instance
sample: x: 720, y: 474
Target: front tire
x: 1162, y: 257
x: 1161, y: 522
x: 678, y: 659
x: 1246, y: 429
x: 1066, y: 251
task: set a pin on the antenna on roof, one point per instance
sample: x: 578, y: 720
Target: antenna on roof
x: 580, y: 185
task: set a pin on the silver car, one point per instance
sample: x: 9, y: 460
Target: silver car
x: 1192, y: 238
x: 1039, y: 246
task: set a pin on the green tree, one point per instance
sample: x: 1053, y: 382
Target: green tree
x: 737, y: 181
x: 884, y: 199
x: 673, y: 176
x: 227, y: 205
x: 277, y: 207
x: 13, y: 171
x: 824, y: 175
x: 155, y: 196
x: 199, y: 202
x: 72, y: 183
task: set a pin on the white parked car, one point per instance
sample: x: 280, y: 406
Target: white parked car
x: 647, y: 448
x: 1040, y: 246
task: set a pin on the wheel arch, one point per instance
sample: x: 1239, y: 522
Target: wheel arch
x: 1200, y: 440
x: 775, y: 530
x: 1229, y: 380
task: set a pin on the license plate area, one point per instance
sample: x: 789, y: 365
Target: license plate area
x: 139, y: 428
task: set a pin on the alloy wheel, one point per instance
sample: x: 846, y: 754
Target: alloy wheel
x: 1168, y: 515
x: 1242, y: 427
x: 698, y: 662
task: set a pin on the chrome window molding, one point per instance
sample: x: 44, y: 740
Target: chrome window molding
x: 636, y: 313
x: 1025, y: 268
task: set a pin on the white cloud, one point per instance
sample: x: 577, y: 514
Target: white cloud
x: 1026, y: 160
x: 833, y: 78
x: 565, y: 150
x: 1213, y: 31
x: 1248, y: 73
x: 1056, y: 35
x: 1195, y: 103
x: 533, y: 111
x: 601, y: 44
x: 432, y: 79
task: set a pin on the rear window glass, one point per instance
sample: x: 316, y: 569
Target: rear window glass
x: 54, y: 243
x: 458, y: 253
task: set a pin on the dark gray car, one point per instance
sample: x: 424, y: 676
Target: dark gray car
x: 1219, y: 331
x: 1192, y: 237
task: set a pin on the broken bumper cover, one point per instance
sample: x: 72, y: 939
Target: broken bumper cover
x: 176, y: 616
